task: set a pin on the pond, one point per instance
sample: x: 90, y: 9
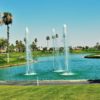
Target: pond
x: 81, y: 67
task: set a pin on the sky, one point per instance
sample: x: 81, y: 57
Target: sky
x: 40, y: 16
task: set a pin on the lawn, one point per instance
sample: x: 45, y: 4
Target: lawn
x: 68, y: 92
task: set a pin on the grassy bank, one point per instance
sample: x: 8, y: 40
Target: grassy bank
x: 19, y: 58
x: 85, y: 51
x: 69, y: 92
x: 15, y: 59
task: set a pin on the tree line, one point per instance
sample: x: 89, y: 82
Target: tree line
x: 19, y: 46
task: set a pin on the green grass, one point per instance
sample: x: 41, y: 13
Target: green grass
x: 69, y: 92
x: 14, y: 59
x: 19, y: 58
x: 85, y: 51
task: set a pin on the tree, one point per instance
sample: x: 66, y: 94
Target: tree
x: 44, y: 49
x: 3, y: 44
x: 25, y: 40
x: 57, y: 36
x: 71, y: 49
x: 86, y: 47
x: 47, y: 38
x: 17, y: 47
x: 56, y: 41
x: 61, y: 49
x: 11, y: 48
x: 20, y: 47
x: 51, y: 49
x: 36, y: 40
x: 97, y: 46
x: 53, y: 37
x: 7, y: 20
x: 53, y: 43
x: 33, y: 46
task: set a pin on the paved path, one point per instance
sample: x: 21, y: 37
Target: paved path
x: 49, y: 82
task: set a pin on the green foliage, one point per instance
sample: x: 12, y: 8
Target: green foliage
x: 33, y: 46
x: 20, y: 47
x: 3, y: 43
x: 47, y: 38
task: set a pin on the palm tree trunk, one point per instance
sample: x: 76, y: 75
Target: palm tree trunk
x: 7, y: 43
x: 47, y: 45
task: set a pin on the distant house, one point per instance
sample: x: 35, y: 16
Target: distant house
x: 40, y: 48
x: 78, y: 48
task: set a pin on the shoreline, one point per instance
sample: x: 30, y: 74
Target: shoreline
x: 12, y: 65
x: 93, y: 56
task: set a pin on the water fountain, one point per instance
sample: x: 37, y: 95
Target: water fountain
x: 53, y: 44
x: 66, y: 53
x: 56, y: 59
x: 29, y: 59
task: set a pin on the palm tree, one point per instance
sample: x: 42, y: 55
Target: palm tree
x: 25, y: 40
x: 56, y: 40
x: 11, y: 48
x: 20, y: 47
x: 97, y: 46
x: 36, y: 41
x: 47, y: 38
x: 57, y: 36
x: 33, y: 46
x: 7, y: 20
x: 17, y: 47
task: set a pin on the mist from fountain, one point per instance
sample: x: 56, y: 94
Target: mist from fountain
x: 66, y: 52
x: 29, y: 60
x: 56, y: 59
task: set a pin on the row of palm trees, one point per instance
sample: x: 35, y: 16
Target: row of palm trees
x: 48, y: 39
x: 20, y: 45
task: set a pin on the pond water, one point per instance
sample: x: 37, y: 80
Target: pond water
x: 81, y: 67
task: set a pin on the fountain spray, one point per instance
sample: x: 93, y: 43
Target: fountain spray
x: 56, y: 54
x: 29, y: 59
x: 66, y: 52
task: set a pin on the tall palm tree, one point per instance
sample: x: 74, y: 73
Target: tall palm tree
x: 56, y: 39
x: 7, y: 20
x: 57, y: 36
x: 33, y: 46
x: 47, y: 38
x: 36, y: 41
x: 17, y: 49
x: 25, y: 40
